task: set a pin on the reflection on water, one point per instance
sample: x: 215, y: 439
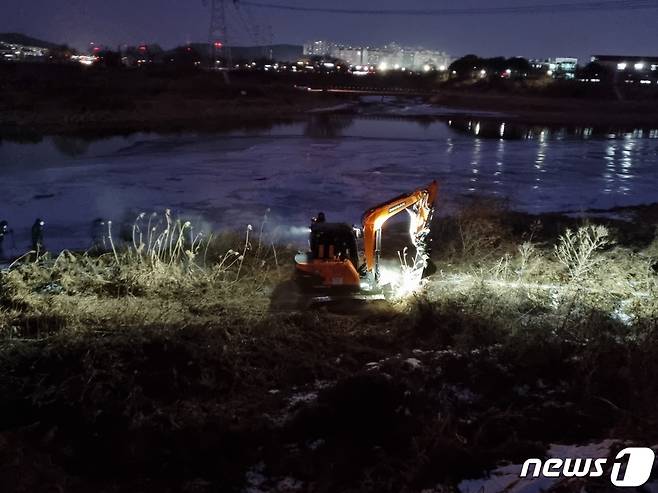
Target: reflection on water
x: 540, y: 162
x: 475, y: 165
x: 326, y: 126
x: 331, y: 126
x: 339, y: 164
x: 619, y: 158
x: 566, y: 161
x: 498, y: 129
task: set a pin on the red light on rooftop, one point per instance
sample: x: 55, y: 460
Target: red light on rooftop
x: 218, y: 44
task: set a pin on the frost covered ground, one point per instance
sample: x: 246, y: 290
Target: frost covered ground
x: 337, y: 164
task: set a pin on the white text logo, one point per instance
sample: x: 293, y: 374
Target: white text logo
x: 631, y: 467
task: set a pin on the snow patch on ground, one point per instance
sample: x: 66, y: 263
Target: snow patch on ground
x: 414, y: 363
x: 302, y: 398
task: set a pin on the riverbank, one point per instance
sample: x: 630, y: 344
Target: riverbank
x: 542, y: 110
x: 66, y: 100
x: 184, y: 373
x: 51, y: 99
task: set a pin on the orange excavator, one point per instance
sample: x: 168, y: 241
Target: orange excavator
x: 333, y: 263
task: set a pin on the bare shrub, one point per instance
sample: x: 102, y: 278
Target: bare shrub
x: 576, y: 250
x: 480, y: 228
x: 527, y: 258
x: 501, y: 268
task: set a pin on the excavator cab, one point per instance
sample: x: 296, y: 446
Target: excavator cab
x: 334, y: 241
x: 333, y: 260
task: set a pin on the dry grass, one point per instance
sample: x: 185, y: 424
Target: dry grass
x: 200, y: 384
x: 165, y: 274
x: 169, y: 273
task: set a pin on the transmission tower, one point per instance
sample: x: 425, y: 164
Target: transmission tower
x: 231, y: 12
x: 218, y: 35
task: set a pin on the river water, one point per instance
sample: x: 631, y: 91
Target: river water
x: 341, y: 165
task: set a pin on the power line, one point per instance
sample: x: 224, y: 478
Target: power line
x: 590, y: 6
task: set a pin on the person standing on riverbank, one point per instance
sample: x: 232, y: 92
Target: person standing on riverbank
x: 37, y: 235
x: 4, y: 231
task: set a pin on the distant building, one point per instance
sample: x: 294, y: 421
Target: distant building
x: 564, y: 68
x: 436, y: 59
x: 350, y: 54
x: 19, y: 47
x: 319, y: 48
x: 18, y: 52
x: 388, y: 57
x: 558, y: 68
x: 630, y: 69
x: 641, y: 64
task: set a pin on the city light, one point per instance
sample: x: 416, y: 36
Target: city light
x: 395, y: 56
x: 427, y: 68
x: 639, y: 66
x: 86, y: 60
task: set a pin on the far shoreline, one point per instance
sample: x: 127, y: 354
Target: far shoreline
x: 543, y: 110
x: 53, y: 100
x: 264, y: 112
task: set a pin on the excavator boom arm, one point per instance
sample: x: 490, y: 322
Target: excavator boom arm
x: 421, y: 202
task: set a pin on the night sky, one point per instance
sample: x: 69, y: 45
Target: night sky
x: 172, y: 22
